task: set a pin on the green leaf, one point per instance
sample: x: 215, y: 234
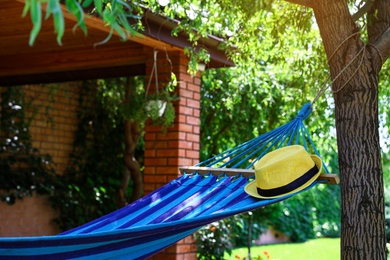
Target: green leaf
x: 75, y: 8
x: 36, y: 18
x: 87, y: 3
x: 27, y: 4
x: 98, y: 5
x: 58, y: 19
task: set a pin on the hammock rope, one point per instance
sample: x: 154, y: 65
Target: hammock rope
x: 172, y: 212
x: 245, y: 155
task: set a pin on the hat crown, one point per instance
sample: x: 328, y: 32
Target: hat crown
x: 282, y: 166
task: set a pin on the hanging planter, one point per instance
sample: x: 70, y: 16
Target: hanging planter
x: 159, y: 106
x: 156, y: 108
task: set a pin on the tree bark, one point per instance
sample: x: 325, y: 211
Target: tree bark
x: 133, y: 171
x: 354, y: 70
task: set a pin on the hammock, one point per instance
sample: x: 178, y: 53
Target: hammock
x: 210, y: 191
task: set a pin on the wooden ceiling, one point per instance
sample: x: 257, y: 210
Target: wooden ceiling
x: 79, y: 58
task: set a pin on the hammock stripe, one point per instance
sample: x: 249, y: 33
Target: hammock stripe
x: 203, y: 199
x: 168, y: 214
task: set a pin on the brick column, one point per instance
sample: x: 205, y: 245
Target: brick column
x: 179, y: 146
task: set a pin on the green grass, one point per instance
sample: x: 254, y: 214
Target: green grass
x: 316, y: 249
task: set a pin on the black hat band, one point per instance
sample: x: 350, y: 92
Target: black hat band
x: 289, y: 187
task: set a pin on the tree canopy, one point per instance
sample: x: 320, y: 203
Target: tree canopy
x: 299, y: 36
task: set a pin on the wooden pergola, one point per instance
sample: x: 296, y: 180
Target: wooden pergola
x: 79, y: 58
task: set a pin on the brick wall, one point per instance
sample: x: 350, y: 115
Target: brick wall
x: 53, y: 110
x: 164, y: 153
x: 53, y: 132
x: 55, y: 121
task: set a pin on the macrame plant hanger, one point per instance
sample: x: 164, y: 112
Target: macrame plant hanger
x: 160, y: 104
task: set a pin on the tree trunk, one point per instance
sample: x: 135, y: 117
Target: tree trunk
x: 354, y: 70
x: 133, y: 171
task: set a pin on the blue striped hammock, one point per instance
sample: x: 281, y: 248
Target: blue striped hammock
x: 211, y: 191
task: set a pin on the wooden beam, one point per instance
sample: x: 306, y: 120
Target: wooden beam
x: 217, y: 171
x: 99, y: 24
x: 63, y: 60
x: 63, y: 76
x: 328, y: 178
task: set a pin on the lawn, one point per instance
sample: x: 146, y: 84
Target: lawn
x: 316, y: 249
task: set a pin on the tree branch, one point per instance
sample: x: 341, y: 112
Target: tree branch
x: 366, y: 7
x: 383, y: 45
x: 307, y: 3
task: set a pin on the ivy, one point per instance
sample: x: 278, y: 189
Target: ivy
x: 87, y: 189
x: 24, y: 170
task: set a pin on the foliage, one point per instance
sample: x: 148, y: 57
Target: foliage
x: 115, y: 14
x: 257, y: 35
x: 87, y: 189
x: 243, y: 33
x: 24, y: 169
x: 236, y: 107
x: 157, y: 106
x: 387, y: 213
x: 216, y: 239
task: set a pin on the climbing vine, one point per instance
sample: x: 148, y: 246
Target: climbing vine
x: 87, y: 188
x: 24, y: 169
x: 92, y: 184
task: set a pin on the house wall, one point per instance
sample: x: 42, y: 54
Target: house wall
x: 54, y: 111
x: 165, y: 153
x: 54, y: 121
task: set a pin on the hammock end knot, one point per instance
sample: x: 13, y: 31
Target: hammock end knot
x: 305, y: 111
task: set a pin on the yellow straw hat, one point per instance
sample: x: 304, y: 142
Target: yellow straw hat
x: 284, y: 171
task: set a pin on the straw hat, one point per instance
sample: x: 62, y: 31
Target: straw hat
x: 284, y: 171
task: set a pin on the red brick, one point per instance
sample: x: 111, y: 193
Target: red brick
x: 149, y: 153
x: 180, y: 103
x: 164, y: 171
x: 156, y: 161
x: 192, y: 137
x: 183, y: 248
x: 196, y: 129
x: 193, y: 120
x: 155, y: 178
x: 185, y: 127
x: 181, y: 85
x: 149, y: 170
x: 181, y: 118
x: 192, y: 154
x: 182, y: 136
x: 167, y: 153
x: 193, y: 103
x: 185, y: 77
x: 197, y: 80
x: 167, y: 136
x: 150, y: 136
x: 172, y: 161
x: 196, y: 113
x: 180, y: 144
x: 186, y: 111
x: 186, y: 93
x: 193, y: 87
x: 184, y: 162
x: 149, y: 186
x: 174, y: 176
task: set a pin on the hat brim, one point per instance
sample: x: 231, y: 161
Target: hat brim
x: 251, y: 187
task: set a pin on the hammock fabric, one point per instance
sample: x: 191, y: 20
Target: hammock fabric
x: 170, y: 213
